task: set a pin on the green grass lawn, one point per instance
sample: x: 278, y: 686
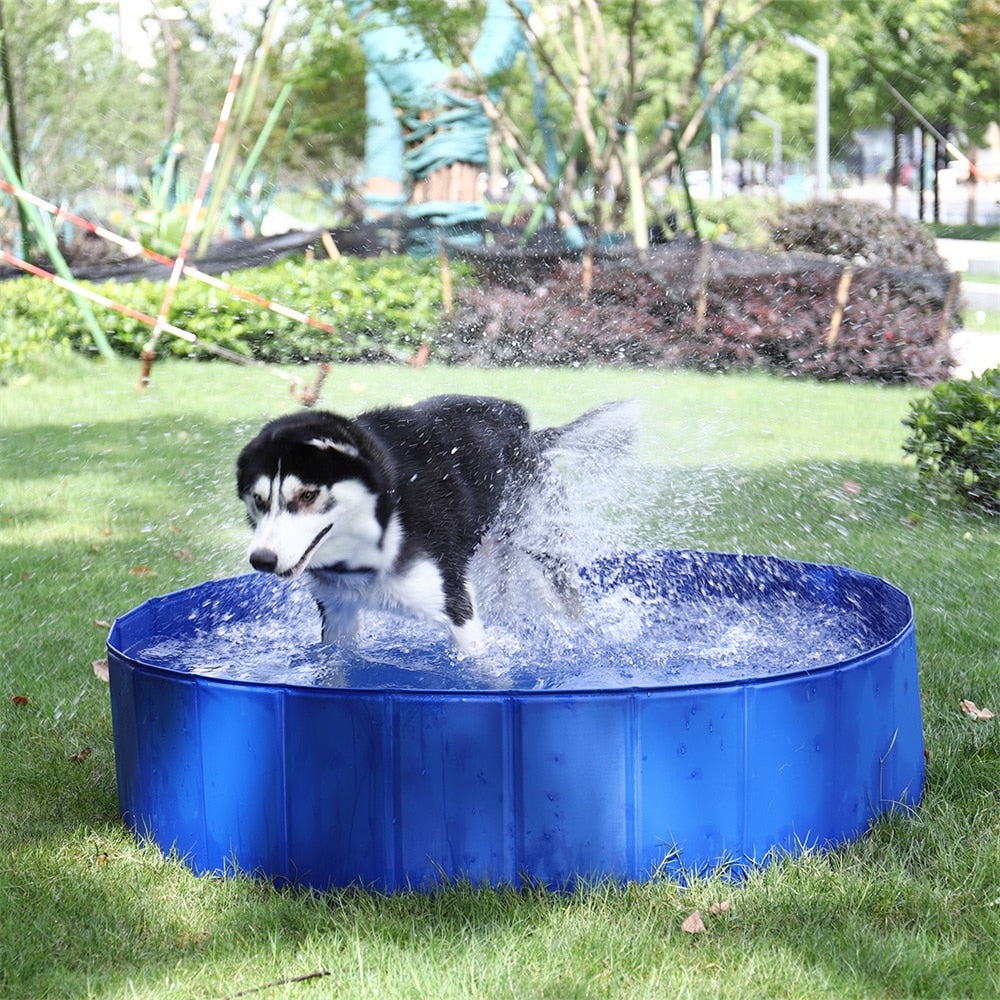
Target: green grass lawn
x: 982, y: 321
x: 108, y: 497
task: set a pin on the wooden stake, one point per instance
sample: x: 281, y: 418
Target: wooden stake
x: 446, y: 291
x: 330, y: 246
x: 838, y: 310
x: 949, y: 303
x: 587, y: 273
x: 701, y: 304
x: 420, y: 357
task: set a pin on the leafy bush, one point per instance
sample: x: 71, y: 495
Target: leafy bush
x: 738, y: 219
x: 955, y: 438
x: 848, y: 230
x: 380, y: 307
x: 719, y: 308
x: 783, y: 324
x: 747, y: 311
x: 23, y: 343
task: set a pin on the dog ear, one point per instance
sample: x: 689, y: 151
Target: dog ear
x: 329, y: 444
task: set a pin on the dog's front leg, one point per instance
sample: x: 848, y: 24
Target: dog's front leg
x: 469, y: 637
x: 339, y: 622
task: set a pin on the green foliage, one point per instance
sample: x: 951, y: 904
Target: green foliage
x: 21, y: 344
x: 740, y: 220
x: 847, y: 230
x: 379, y: 308
x: 70, y: 74
x: 955, y: 438
x: 965, y: 231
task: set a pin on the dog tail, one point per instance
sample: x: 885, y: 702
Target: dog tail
x: 605, y: 433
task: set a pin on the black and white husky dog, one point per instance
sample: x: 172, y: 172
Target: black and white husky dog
x: 386, y: 510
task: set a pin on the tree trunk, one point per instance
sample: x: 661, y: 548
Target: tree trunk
x: 12, y: 128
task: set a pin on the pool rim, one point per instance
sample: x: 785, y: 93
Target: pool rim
x: 461, y: 693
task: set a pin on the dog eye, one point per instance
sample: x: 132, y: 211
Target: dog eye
x: 308, y: 496
x: 260, y: 503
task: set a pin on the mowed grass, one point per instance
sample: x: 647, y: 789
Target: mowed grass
x: 108, y: 497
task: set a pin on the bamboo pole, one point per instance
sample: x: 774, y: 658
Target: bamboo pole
x: 330, y: 245
x: 637, y: 197
x: 228, y: 154
x: 243, y: 179
x: 132, y: 247
x: 447, y: 297
x: 149, y: 351
x: 701, y: 285
x: 267, y: 191
x: 59, y: 262
x: 12, y: 126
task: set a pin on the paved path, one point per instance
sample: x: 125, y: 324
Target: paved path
x: 974, y: 352
x: 959, y: 253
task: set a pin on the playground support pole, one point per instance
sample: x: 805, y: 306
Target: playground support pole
x: 227, y: 154
x: 149, y: 351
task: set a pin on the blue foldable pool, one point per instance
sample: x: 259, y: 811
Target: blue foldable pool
x: 690, y: 725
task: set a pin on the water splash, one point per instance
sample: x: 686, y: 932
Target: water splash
x: 625, y: 638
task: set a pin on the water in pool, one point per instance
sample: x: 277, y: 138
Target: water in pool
x: 625, y: 638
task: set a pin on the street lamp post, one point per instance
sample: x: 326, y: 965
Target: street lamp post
x: 822, y: 111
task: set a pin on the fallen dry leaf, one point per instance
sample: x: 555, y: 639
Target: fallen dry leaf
x: 140, y: 570
x: 19, y: 699
x: 694, y: 924
x: 101, y: 670
x: 79, y: 758
x: 722, y: 907
x: 101, y: 623
x: 974, y: 712
x: 851, y: 488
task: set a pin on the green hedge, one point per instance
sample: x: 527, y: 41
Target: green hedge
x: 22, y: 343
x: 380, y: 308
x: 955, y: 438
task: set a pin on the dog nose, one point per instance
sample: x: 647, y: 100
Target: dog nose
x: 265, y: 560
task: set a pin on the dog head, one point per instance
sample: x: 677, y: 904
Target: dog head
x: 314, y: 493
